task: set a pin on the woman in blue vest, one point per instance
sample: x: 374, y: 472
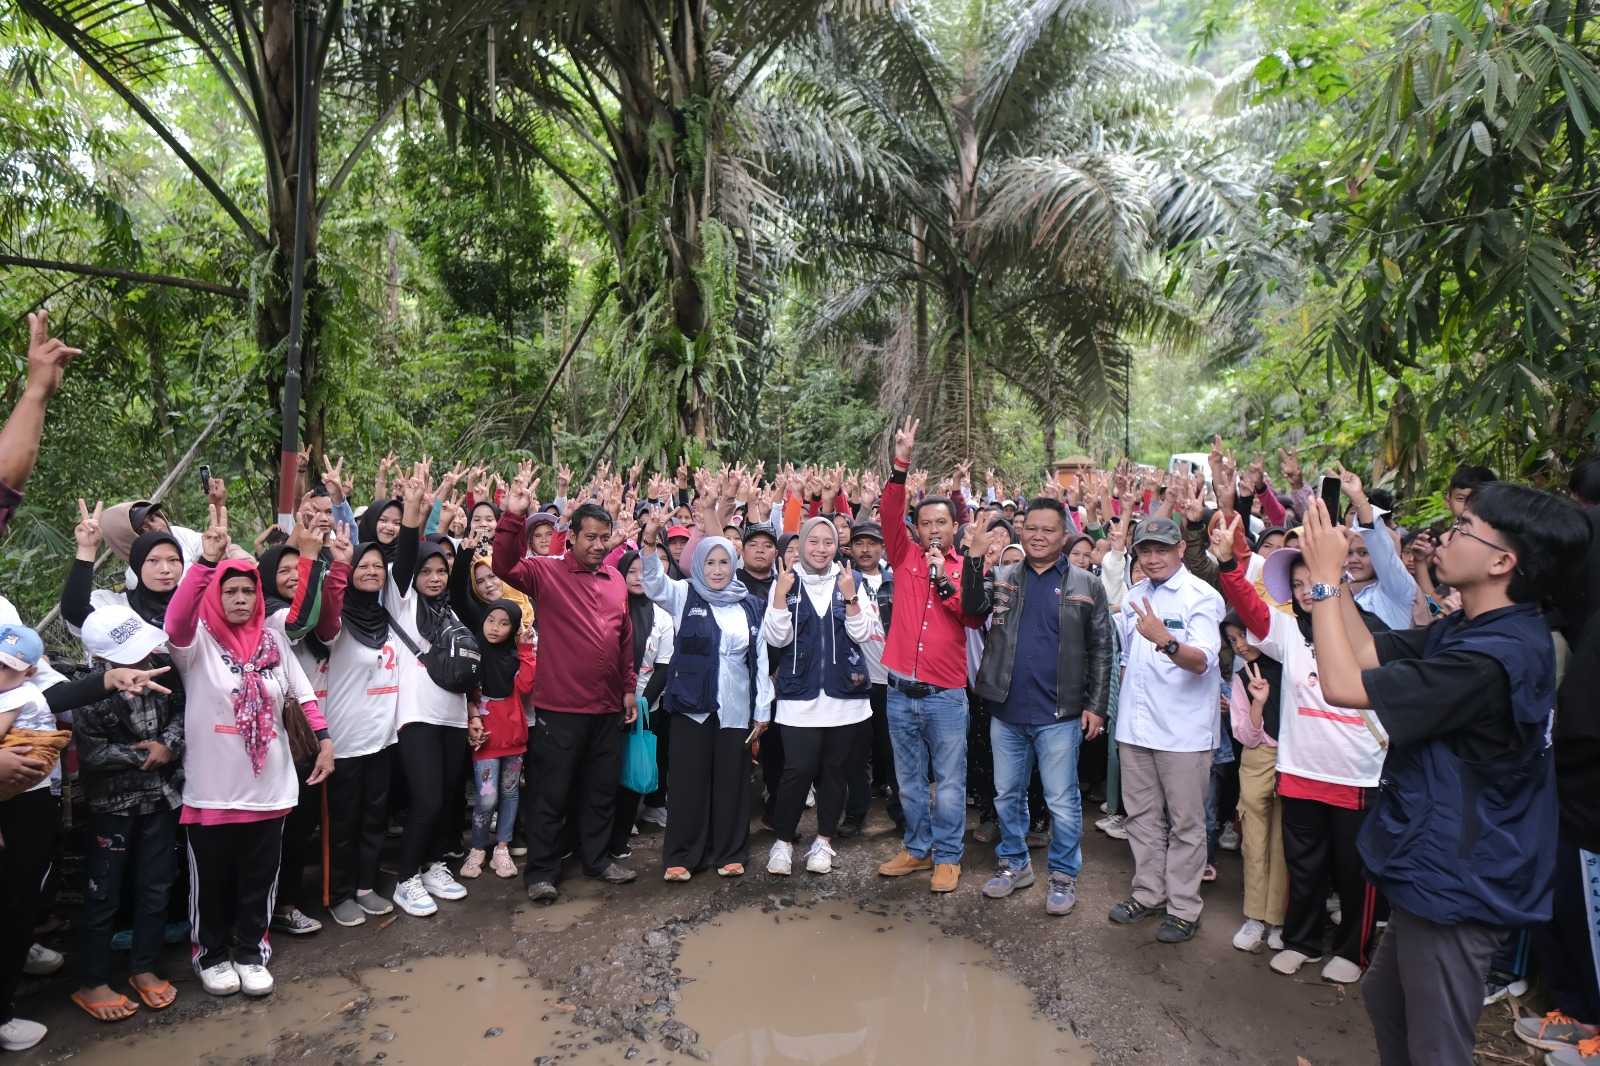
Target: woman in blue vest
x: 819, y: 618
x: 719, y: 694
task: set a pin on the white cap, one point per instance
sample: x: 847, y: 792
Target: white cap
x: 116, y: 633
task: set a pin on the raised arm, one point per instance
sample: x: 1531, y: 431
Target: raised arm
x: 183, y: 610
x: 897, y: 544
x: 19, y: 438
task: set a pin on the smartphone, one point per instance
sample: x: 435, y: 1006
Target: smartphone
x: 1329, y: 490
x: 205, y: 480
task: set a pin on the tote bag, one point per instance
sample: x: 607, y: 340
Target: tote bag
x: 639, y: 773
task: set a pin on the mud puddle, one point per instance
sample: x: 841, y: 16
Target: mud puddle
x: 840, y: 986
x: 477, y: 1009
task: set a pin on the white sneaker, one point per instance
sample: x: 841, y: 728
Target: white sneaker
x: 221, y: 979
x: 1112, y: 826
x: 1249, y: 936
x: 819, y: 860
x: 654, y: 815
x: 254, y: 980
x: 437, y: 880
x: 42, y: 962
x: 1228, y: 839
x: 1288, y: 961
x: 780, y: 860
x: 1341, y: 971
x: 1275, y: 938
x: 19, y: 1034
x: 411, y: 897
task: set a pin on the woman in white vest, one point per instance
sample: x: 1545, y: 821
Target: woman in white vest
x: 239, y: 680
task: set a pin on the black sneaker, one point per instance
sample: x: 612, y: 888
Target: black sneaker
x: 543, y: 892
x: 1175, y: 930
x: 848, y: 827
x: 1131, y: 910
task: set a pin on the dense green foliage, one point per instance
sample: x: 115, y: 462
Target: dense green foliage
x: 760, y: 229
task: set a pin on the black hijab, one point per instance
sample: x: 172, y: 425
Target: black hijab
x: 367, y: 528
x: 148, y: 604
x: 497, y: 675
x: 364, y: 616
x: 431, y: 610
x: 640, y: 610
x: 267, y: 562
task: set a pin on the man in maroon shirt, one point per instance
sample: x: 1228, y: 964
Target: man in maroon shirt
x: 926, y: 656
x: 582, y: 691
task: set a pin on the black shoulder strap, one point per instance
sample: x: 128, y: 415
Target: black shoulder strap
x: 405, y: 638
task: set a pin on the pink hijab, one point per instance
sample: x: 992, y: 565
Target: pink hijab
x: 248, y: 654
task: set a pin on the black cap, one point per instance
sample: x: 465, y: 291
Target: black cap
x: 867, y: 529
x: 758, y: 529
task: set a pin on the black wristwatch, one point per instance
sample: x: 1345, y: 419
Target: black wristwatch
x: 1170, y: 648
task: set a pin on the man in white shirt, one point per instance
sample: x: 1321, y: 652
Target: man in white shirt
x: 1167, y: 726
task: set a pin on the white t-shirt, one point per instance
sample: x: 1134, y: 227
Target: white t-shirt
x: 658, y: 646
x: 357, y: 689
x: 419, y: 699
x: 216, y: 767
x: 872, y: 647
x: 1316, y: 740
x: 27, y: 699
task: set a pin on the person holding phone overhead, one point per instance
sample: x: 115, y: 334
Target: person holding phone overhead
x: 719, y: 694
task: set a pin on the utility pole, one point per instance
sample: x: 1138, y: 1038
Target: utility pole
x: 305, y: 50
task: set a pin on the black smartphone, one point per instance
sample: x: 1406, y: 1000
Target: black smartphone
x: 205, y: 480
x: 1329, y: 490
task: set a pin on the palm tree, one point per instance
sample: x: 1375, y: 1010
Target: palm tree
x: 1010, y: 182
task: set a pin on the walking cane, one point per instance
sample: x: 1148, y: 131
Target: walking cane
x: 326, y: 897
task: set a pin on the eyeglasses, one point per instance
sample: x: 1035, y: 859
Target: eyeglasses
x: 1457, y: 529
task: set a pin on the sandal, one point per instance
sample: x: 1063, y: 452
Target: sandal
x: 675, y: 873
x: 733, y: 869
x: 161, y: 989
x: 93, y: 1007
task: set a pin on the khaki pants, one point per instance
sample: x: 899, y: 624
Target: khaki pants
x: 1266, y: 877
x: 1165, y: 796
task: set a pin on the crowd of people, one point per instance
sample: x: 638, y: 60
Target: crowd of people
x: 1395, y: 728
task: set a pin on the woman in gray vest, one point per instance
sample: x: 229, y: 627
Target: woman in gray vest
x: 719, y: 694
x: 818, y: 617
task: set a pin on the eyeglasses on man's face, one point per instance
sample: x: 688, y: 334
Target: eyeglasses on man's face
x: 1459, y: 529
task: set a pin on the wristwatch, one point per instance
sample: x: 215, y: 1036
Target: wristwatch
x: 1170, y: 648
x: 1321, y: 591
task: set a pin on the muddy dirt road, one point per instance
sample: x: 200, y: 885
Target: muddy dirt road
x: 845, y: 968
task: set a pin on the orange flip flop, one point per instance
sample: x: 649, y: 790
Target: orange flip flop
x: 147, y: 992
x: 90, y: 1006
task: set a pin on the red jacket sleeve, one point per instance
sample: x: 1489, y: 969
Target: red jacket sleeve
x: 333, y: 587
x: 524, y: 682
x: 1271, y: 509
x: 1243, y: 598
x: 183, y: 610
x: 892, y: 516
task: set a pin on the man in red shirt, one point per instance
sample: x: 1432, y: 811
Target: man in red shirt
x: 926, y: 657
x: 582, y: 693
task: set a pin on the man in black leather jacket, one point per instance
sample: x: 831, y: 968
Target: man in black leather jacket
x: 1046, y: 675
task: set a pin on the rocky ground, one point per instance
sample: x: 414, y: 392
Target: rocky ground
x: 606, y: 957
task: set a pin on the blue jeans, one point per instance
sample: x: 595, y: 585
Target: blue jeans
x: 1056, y: 748
x: 931, y: 733
x: 497, y: 784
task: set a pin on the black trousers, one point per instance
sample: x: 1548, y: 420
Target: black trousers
x: 142, y: 844
x: 812, y: 756
x: 857, y: 783
x: 434, y: 773
x: 980, y: 758
x: 771, y: 759
x: 1563, y: 946
x: 358, y: 812
x: 708, y: 823
x: 233, y: 884
x: 572, y: 755
x: 1319, y: 852
x: 298, y: 830
x: 28, y: 824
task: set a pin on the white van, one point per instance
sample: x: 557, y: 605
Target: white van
x: 1182, y: 462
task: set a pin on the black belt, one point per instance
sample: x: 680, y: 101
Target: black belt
x: 917, y: 690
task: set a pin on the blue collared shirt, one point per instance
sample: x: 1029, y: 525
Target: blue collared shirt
x: 1032, y: 698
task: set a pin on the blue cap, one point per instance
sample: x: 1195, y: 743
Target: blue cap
x: 20, y: 647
